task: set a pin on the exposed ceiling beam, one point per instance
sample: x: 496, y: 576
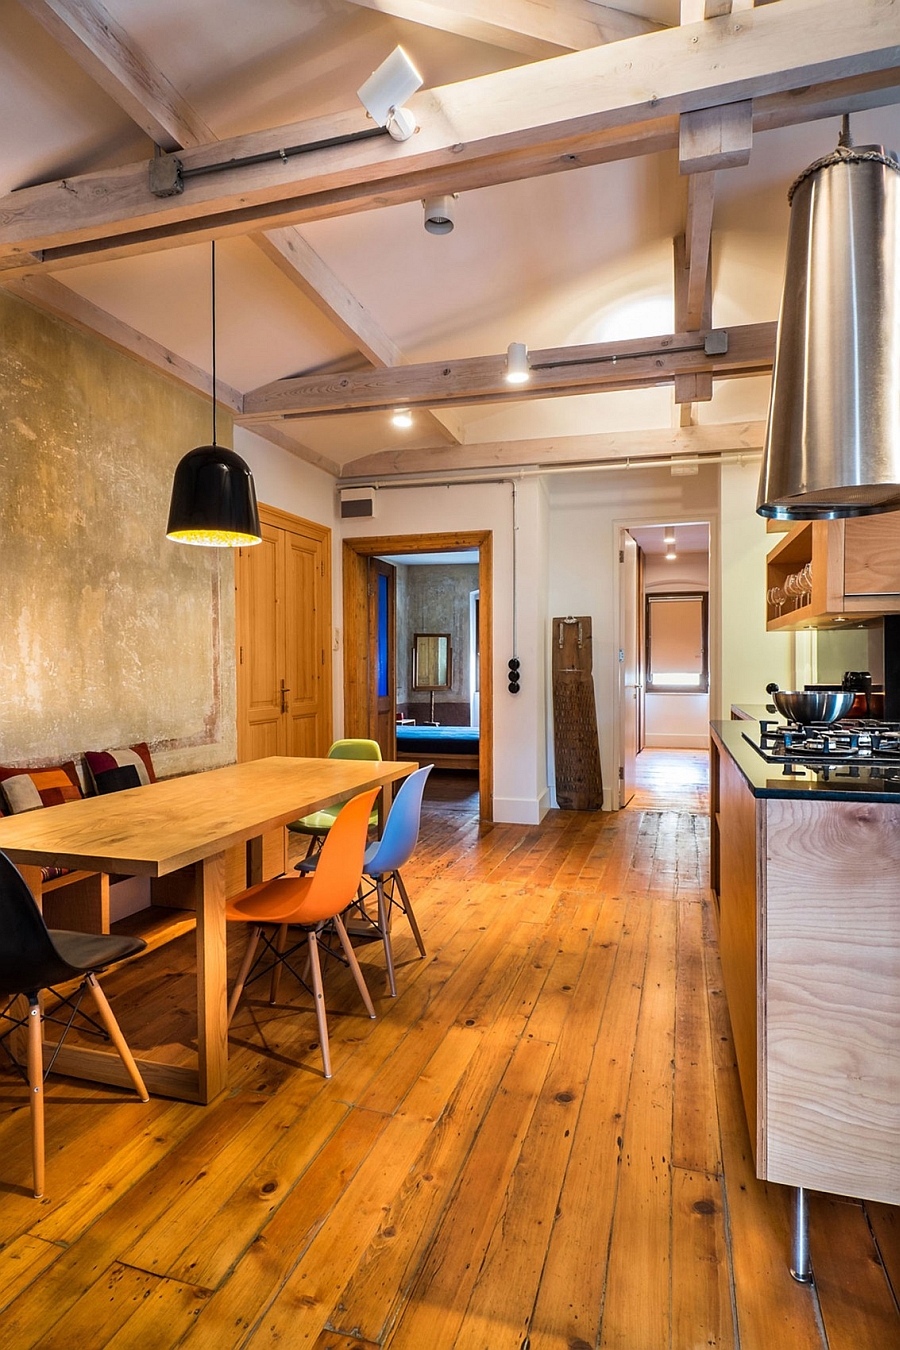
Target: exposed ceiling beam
x: 608, y: 101
x: 555, y: 372
x: 610, y: 445
x: 49, y: 295
x: 278, y: 437
x: 106, y: 52
x: 291, y: 253
x: 535, y: 30
x: 93, y: 38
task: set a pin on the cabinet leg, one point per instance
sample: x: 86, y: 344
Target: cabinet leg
x: 801, y: 1269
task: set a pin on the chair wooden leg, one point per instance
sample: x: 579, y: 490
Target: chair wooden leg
x: 354, y: 965
x: 319, y: 994
x: 246, y: 963
x: 408, y: 911
x: 117, y: 1038
x: 384, y: 921
x: 36, y: 1092
x: 280, y: 944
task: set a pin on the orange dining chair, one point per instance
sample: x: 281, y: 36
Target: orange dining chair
x: 310, y: 903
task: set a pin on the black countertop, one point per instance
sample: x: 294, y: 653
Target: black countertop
x: 832, y: 782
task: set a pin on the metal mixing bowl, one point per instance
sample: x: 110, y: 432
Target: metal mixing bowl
x: 812, y: 705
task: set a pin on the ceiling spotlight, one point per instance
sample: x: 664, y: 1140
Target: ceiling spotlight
x: 439, y: 213
x: 669, y: 536
x: 517, y: 369
x: 402, y: 417
x: 670, y: 556
x: 384, y: 92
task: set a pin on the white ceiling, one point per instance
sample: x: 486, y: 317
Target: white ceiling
x: 432, y: 559
x: 572, y: 257
x: 689, y: 538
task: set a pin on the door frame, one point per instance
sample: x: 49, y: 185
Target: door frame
x: 357, y: 712
x: 710, y: 519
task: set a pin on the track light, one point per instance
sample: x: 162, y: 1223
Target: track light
x: 402, y: 417
x: 517, y: 368
x: 439, y: 213
x: 386, y: 89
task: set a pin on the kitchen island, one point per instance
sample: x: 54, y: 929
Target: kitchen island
x: 805, y: 863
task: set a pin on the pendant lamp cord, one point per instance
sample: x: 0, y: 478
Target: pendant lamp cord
x: 213, y: 247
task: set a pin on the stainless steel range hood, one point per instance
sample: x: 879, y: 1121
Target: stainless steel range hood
x: 833, y: 439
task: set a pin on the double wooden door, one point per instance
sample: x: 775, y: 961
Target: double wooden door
x: 283, y: 620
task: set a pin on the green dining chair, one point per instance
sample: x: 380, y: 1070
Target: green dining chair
x: 317, y: 825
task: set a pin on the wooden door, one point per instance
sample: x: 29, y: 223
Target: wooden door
x: 629, y: 667
x: 305, y: 648
x: 283, y: 617
x: 383, y: 655
x: 259, y: 588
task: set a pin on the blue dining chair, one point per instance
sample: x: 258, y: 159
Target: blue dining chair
x: 382, y: 863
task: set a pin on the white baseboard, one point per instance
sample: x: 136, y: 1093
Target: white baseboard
x: 521, y: 810
x: 674, y: 741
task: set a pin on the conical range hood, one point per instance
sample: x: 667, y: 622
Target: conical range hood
x: 833, y: 438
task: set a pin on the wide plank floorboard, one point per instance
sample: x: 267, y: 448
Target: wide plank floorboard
x: 539, y: 1143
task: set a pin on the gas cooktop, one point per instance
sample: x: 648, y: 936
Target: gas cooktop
x: 863, y: 742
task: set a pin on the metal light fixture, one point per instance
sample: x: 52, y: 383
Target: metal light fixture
x: 387, y: 89
x: 402, y: 417
x: 833, y: 437
x: 213, y: 497
x: 517, y: 368
x: 440, y: 213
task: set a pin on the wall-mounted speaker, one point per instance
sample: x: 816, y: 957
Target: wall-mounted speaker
x: 357, y: 503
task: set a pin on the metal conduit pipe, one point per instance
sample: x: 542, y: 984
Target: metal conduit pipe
x: 491, y: 476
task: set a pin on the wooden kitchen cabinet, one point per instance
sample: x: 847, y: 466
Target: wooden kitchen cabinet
x: 855, y: 567
x: 809, y: 920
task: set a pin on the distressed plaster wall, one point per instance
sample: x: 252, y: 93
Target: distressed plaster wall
x: 109, y: 633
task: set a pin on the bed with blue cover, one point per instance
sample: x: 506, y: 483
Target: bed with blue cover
x: 444, y: 747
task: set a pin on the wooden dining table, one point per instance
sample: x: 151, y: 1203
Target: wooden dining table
x: 185, y: 826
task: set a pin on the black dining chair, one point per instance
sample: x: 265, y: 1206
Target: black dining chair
x: 34, y: 957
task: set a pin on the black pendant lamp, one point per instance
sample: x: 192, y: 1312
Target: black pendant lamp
x: 213, y: 497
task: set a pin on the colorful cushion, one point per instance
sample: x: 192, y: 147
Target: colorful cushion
x: 30, y: 789
x: 102, y: 762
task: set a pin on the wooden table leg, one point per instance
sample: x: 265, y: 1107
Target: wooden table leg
x: 212, y: 1017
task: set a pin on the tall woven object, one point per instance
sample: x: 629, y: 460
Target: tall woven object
x: 579, y: 784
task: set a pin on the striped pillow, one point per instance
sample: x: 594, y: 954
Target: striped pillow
x: 101, y: 763
x: 30, y: 789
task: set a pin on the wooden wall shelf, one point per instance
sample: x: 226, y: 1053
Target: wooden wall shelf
x: 855, y: 567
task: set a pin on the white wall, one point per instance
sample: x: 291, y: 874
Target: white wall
x: 751, y: 657
x: 520, y: 753
x: 586, y: 511
x: 679, y: 721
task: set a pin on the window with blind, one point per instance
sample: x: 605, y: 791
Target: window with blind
x: 676, y: 643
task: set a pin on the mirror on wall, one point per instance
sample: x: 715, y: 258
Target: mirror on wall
x: 431, y: 661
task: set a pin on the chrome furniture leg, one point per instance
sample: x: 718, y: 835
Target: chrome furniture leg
x: 801, y: 1268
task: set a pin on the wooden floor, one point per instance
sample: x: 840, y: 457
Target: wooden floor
x: 539, y: 1144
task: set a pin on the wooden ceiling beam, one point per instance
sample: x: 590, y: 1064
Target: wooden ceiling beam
x: 570, y: 105
x: 102, y: 48
x: 537, y: 31
x: 654, y: 443
x: 106, y: 52
x: 555, y: 372
x: 48, y: 294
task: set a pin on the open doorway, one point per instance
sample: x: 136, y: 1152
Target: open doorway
x: 664, y: 686
x: 426, y: 641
